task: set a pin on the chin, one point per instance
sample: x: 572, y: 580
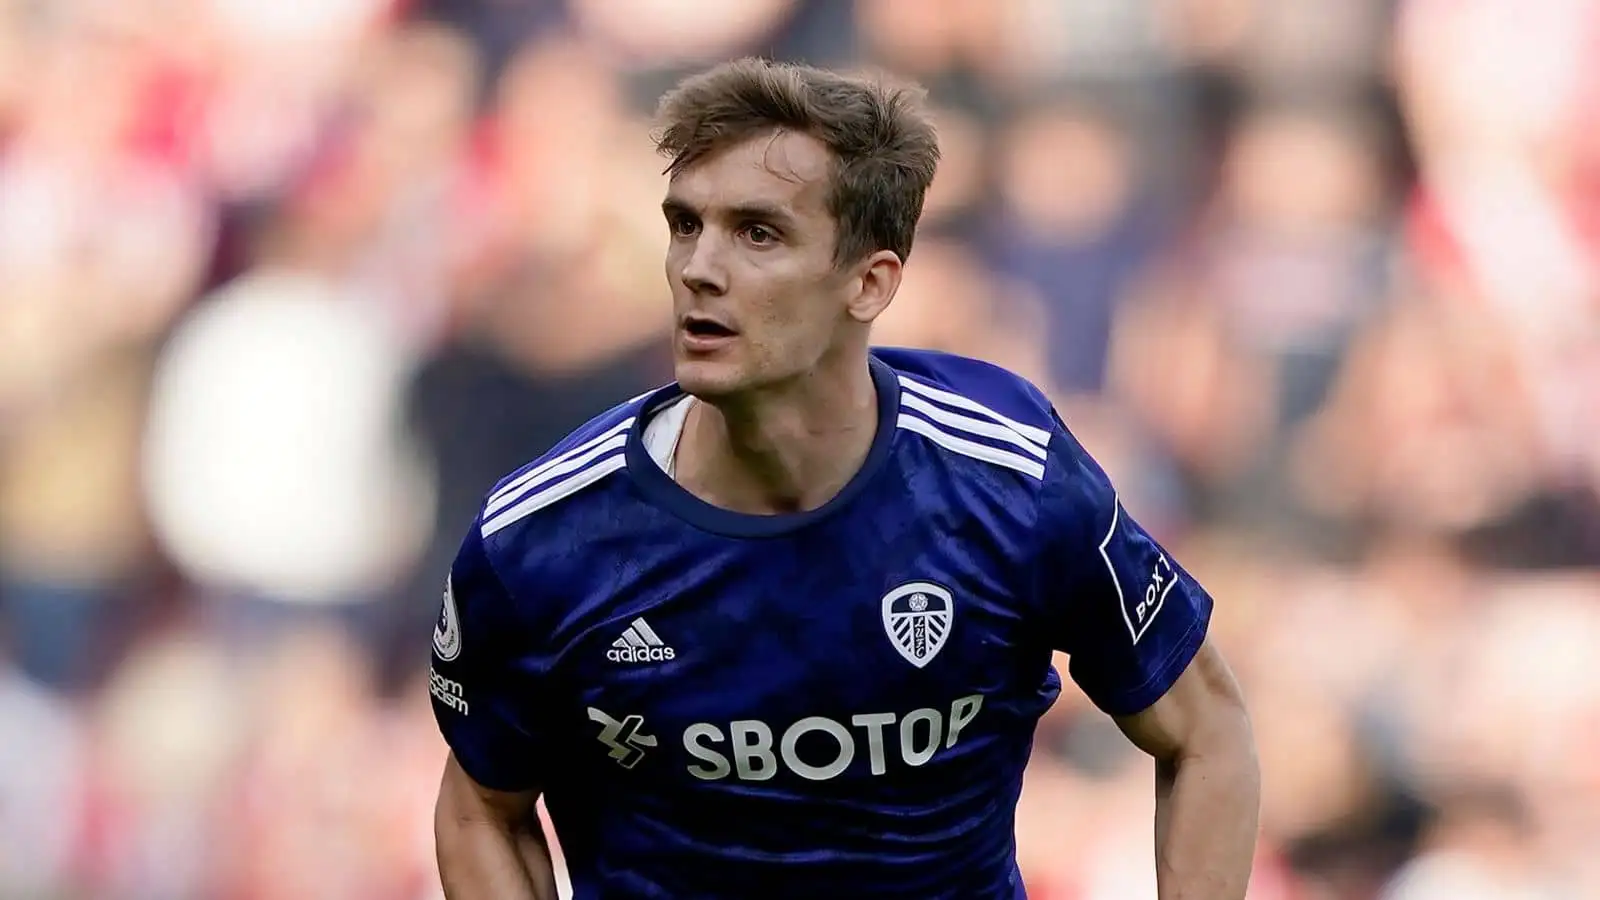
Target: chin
x: 710, y: 379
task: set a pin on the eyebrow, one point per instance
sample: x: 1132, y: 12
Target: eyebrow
x: 765, y: 212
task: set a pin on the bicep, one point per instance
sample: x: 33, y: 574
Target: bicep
x: 1205, y: 700
x: 464, y: 801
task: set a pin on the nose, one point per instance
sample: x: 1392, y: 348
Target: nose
x: 703, y: 271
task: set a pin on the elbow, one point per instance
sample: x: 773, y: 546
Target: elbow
x: 1221, y: 753
x: 1224, y: 725
x: 463, y: 808
x: 1223, y: 742
x: 453, y: 821
x: 454, y: 810
x: 1237, y: 743
x: 1230, y: 720
x: 1221, y: 726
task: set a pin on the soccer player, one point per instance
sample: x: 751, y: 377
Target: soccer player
x: 784, y: 628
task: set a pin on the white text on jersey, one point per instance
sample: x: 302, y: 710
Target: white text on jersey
x: 757, y: 752
x: 447, y: 691
x: 639, y: 643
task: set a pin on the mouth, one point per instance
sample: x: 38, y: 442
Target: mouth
x: 705, y: 328
x: 704, y: 335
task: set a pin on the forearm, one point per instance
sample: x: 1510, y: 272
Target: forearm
x: 480, y: 859
x: 1207, y: 809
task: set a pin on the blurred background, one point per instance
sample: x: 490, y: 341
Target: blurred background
x: 286, y: 286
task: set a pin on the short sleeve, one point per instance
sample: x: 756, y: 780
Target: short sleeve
x: 481, y: 684
x: 1127, y: 614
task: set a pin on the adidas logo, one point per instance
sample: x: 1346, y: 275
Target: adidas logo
x: 639, y: 643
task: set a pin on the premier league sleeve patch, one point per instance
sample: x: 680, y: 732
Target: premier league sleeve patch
x: 447, y: 633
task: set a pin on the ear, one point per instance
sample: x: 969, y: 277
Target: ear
x: 876, y: 282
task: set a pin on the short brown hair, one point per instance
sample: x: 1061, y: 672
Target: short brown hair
x: 884, y: 148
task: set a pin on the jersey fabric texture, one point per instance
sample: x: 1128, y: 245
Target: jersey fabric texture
x: 837, y: 703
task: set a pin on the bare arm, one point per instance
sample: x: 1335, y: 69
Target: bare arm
x: 490, y: 844
x: 1208, y: 783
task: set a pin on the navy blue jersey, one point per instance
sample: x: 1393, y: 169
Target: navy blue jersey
x: 836, y: 703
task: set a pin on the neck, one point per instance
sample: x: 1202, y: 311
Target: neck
x: 788, y: 448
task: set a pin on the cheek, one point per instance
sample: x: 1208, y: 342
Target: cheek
x: 785, y: 308
x: 793, y: 325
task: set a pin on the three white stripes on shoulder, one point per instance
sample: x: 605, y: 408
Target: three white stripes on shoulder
x: 924, y: 410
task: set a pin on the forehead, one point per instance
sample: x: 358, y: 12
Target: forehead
x: 782, y: 168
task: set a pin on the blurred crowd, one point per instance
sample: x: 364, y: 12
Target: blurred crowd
x: 286, y: 286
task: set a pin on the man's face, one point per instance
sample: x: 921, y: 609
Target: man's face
x: 756, y: 296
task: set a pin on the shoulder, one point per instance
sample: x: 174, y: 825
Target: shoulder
x: 973, y: 381
x: 573, y: 468
x: 983, y: 413
x: 975, y: 409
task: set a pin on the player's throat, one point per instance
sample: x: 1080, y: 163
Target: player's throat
x: 742, y: 492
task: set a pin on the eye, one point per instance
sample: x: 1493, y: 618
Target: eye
x: 683, y: 226
x: 760, y: 235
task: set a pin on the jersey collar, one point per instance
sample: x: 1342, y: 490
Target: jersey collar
x: 660, y: 490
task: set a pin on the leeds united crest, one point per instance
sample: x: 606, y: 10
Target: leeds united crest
x: 917, y: 618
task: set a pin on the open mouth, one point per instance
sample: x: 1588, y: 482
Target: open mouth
x: 706, y: 328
